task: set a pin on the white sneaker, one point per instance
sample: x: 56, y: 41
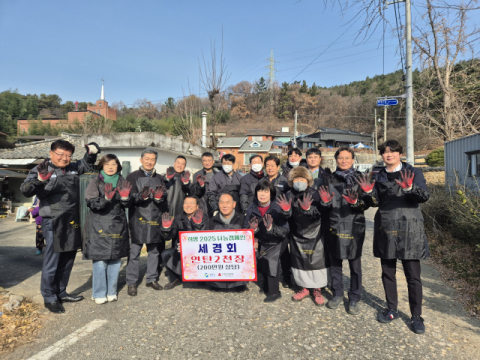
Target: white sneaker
x: 111, y: 298
x: 101, y: 301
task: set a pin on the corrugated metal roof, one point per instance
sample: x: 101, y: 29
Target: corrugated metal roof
x: 9, y: 173
x: 250, y: 146
x: 17, y: 161
x: 231, y: 142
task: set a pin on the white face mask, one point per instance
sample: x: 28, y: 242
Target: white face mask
x: 257, y: 167
x: 227, y: 168
x: 300, y: 186
x: 294, y: 164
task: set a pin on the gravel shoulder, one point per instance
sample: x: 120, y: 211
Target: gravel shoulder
x: 194, y: 322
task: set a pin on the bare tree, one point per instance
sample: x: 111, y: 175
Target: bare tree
x: 213, y: 80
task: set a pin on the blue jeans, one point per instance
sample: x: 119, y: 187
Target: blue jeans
x: 105, y: 278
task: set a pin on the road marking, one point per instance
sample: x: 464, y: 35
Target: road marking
x: 68, y: 340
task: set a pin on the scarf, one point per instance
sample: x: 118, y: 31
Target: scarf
x: 348, y: 175
x: 113, y: 179
x: 227, y: 221
x: 258, y: 175
x: 147, y: 173
x: 263, y: 209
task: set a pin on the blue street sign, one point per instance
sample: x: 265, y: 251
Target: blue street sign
x: 387, y: 102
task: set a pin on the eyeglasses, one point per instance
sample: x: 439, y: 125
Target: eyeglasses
x: 63, y: 155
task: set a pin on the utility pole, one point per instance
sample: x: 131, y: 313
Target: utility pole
x: 385, y: 123
x: 295, y: 131
x: 409, y: 87
x: 375, y: 145
x: 271, y: 76
x: 409, y: 78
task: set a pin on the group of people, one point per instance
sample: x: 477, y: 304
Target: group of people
x: 306, y: 221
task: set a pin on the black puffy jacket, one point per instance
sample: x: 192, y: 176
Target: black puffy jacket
x: 106, y: 229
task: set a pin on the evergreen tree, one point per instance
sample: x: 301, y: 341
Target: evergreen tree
x: 304, y: 88
x: 285, y: 103
x: 313, y: 90
x: 260, y: 86
x: 170, y: 104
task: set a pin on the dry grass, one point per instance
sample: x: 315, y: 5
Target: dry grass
x: 452, y: 221
x: 20, y: 326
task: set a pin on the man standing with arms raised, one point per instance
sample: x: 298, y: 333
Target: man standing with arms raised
x: 201, y: 180
x: 55, y: 182
x: 145, y: 213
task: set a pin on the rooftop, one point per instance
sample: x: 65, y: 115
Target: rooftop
x: 256, y: 146
x: 231, y: 142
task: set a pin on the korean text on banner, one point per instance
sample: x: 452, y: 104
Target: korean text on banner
x: 221, y: 255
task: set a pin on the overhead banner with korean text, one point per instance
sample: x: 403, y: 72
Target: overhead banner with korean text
x: 219, y: 255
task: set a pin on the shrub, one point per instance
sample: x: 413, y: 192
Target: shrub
x: 435, y: 158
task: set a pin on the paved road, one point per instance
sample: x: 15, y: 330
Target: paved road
x: 193, y: 322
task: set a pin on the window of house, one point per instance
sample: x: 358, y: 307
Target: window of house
x: 100, y: 104
x: 98, y: 112
x: 474, y: 164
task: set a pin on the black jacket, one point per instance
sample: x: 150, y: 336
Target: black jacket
x: 145, y: 216
x: 269, y: 242
x: 60, y: 199
x: 306, y: 240
x: 221, y: 182
x: 180, y: 223
x: 236, y: 223
x: 106, y: 230
x: 201, y: 191
x: 176, y: 193
x: 345, y: 223
x: 398, y: 229
x: 286, y: 167
x: 247, y: 190
x: 280, y: 183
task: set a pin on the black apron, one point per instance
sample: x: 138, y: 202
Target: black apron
x: 146, y: 216
x: 65, y: 214
x: 346, y: 234
x: 306, y: 241
x: 399, y: 231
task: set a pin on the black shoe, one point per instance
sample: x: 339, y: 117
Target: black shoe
x: 240, y: 289
x: 272, y: 298
x: 335, y: 302
x: 388, y: 316
x: 72, y: 298
x: 417, y: 325
x: 286, y: 285
x: 132, y: 290
x: 55, y: 307
x: 155, y: 285
x: 172, y: 284
x: 353, y: 307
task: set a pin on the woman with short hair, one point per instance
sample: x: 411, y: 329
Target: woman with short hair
x: 106, y: 238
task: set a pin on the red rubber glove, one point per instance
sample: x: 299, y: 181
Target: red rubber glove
x: 170, y: 173
x: 351, y: 197
x: 306, y: 202
x: 325, y: 195
x: 407, y: 180
x: 158, y: 192
x: 186, y: 177
x: 145, y: 193
x: 283, y: 203
x: 109, y: 191
x: 200, y: 180
x: 253, y: 223
x: 43, y: 173
x: 198, y: 216
x: 268, y: 222
x: 124, y: 189
x: 166, y: 220
x: 365, y: 183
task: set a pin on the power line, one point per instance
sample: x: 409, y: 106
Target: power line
x: 395, y: 4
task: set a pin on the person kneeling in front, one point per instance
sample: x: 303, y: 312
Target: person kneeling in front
x: 191, y: 219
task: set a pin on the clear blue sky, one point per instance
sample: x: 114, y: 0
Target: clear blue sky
x: 150, y: 49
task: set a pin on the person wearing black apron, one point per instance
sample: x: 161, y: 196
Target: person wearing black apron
x: 250, y: 181
x: 226, y: 180
x: 345, y: 228
x: 191, y: 219
x: 397, y: 191
x: 280, y: 182
x: 106, y: 238
x: 56, y: 184
x: 147, y: 203
x: 270, y: 229
x: 177, y: 183
x: 200, y: 181
x: 301, y: 205
x: 227, y: 218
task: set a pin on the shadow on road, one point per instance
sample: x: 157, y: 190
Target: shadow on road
x: 17, y: 264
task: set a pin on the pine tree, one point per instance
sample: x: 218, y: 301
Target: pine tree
x: 304, y: 88
x: 285, y: 102
x: 261, y: 86
x: 313, y: 90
